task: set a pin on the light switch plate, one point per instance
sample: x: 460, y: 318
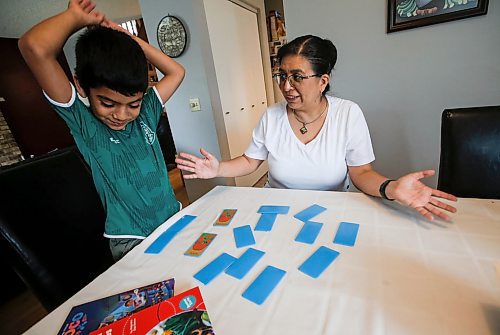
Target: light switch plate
x: 194, y: 104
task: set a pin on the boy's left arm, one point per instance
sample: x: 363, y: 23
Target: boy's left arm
x: 173, y: 72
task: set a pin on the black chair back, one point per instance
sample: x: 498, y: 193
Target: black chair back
x: 470, y: 152
x: 51, y: 225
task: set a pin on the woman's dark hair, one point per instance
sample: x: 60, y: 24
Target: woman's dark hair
x: 110, y: 58
x: 321, y: 53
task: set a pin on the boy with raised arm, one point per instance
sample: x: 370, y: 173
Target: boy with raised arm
x: 115, y: 132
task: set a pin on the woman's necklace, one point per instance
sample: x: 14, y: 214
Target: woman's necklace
x: 304, y: 130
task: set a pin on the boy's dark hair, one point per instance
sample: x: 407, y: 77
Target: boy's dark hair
x: 110, y: 58
x: 321, y: 53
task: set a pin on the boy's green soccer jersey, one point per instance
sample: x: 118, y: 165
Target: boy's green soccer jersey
x: 127, y: 166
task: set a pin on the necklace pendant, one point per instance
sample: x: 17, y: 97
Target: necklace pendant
x: 303, y: 130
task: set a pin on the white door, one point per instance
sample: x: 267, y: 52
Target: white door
x: 234, y: 39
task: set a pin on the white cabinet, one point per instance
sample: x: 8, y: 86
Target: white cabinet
x: 235, y: 45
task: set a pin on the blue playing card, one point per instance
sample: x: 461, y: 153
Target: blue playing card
x: 309, y: 232
x: 243, y: 236
x: 165, y: 238
x: 310, y: 212
x: 274, y: 209
x: 214, y: 268
x: 346, y: 234
x: 266, y: 222
x: 245, y: 263
x: 263, y: 285
x: 318, y: 262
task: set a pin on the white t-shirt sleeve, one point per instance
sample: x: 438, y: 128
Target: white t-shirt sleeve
x: 257, y: 148
x: 359, y: 149
x: 63, y: 104
x: 71, y: 112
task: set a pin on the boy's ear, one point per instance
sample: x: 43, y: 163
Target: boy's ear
x: 80, y: 90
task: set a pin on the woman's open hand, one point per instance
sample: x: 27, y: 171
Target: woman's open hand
x: 410, y: 191
x: 202, y: 168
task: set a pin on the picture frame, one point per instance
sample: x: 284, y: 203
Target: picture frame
x: 407, y: 14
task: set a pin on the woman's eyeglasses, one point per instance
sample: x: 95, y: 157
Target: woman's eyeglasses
x: 294, y: 79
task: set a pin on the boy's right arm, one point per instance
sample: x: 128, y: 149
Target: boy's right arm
x: 41, y: 45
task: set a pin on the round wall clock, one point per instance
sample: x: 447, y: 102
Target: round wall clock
x: 171, y: 36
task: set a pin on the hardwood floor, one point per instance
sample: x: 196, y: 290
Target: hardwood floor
x: 18, y: 314
x: 177, y: 183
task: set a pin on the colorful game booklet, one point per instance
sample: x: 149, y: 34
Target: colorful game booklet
x: 183, y: 314
x: 85, y: 318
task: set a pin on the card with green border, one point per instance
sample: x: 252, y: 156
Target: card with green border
x: 225, y: 217
x: 200, y: 245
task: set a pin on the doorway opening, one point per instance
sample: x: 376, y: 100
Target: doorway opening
x: 276, y: 35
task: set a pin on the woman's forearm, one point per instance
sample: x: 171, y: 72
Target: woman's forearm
x: 237, y: 167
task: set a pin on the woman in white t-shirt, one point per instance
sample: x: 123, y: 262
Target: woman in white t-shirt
x: 314, y: 141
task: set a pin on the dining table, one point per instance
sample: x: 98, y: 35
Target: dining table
x: 392, y: 272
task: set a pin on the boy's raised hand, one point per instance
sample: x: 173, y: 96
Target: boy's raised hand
x: 113, y: 25
x: 85, y: 12
x: 41, y: 45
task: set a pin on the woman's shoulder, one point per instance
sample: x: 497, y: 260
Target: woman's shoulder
x: 277, y: 107
x: 276, y: 110
x: 344, y: 106
x: 333, y: 100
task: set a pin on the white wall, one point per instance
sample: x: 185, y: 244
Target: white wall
x: 192, y: 130
x: 403, y: 81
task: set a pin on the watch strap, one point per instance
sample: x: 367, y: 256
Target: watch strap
x: 382, y: 188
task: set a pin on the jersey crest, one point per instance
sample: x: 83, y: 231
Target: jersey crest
x: 149, y: 135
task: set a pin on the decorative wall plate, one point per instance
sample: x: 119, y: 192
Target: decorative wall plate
x: 172, y: 36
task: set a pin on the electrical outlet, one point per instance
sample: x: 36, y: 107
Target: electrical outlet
x: 194, y: 104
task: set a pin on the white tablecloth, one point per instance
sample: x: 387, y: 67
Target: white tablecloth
x: 405, y: 275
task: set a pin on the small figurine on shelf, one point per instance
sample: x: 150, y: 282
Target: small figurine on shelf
x: 280, y: 30
x: 277, y: 36
x: 276, y: 25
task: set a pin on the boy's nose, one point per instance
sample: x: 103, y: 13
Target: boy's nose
x: 119, y: 114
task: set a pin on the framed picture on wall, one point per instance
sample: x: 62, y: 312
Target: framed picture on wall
x: 407, y: 14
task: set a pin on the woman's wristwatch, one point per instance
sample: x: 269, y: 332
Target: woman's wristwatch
x: 382, y: 188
